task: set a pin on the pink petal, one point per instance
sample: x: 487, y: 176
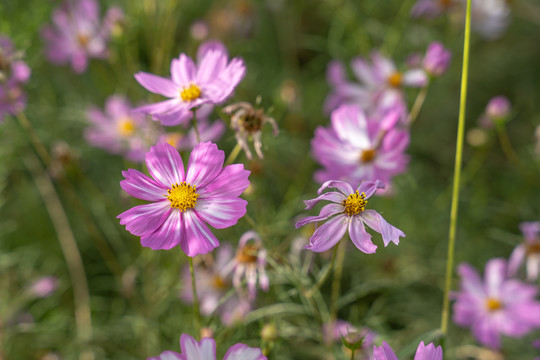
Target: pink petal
x: 157, y: 84
x: 231, y: 182
x: 384, y: 352
x: 180, y: 115
x: 342, y: 186
x: 168, y: 235
x: 221, y: 213
x: 350, y: 124
x: 360, y: 238
x: 193, y: 350
x: 210, y: 45
x: 487, y: 333
x: 375, y: 221
x: 162, y: 107
x: 332, y: 196
x: 326, y: 211
x: 369, y: 187
x: 328, y: 234
x: 183, y: 70
x: 199, y: 239
x: 470, y: 281
x: 415, y: 78
x: 243, y: 352
x: 165, y: 164
x: 515, y: 260
x: 494, y: 276
x: 168, y: 355
x: 429, y: 352
x: 211, y: 66
x: 145, y: 219
x: 205, y: 163
x: 141, y: 186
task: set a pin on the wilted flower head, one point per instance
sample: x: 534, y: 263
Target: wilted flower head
x: 13, y: 74
x: 247, y: 122
x: 356, y: 147
x: 497, y: 305
x: 349, y: 208
x: 423, y: 352
x: 120, y: 130
x: 206, y: 350
x: 184, y: 202
x: 211, y: 81
x: 437, y: 59
x: 77, y: 34
x: 44, y: 286
x: 528, y: 252
x: 249, y: 262
x: 381, y: 83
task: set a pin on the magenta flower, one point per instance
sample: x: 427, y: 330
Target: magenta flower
x: 356, y: 148
x: 184, y: 202
x: 250, y: 262
x: 381, y: 83
x: 206, y: 350
x: 528, y: 252
x: 211, y: 81
x: 437, y: 59
x: 77, y: 34
x: 120, y: 130
x: 497, y: 305
x: 349, y: 208
x: 423, y: 352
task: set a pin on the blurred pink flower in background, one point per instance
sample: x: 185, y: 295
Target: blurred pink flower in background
x: 349, y: 208
x: 496, y: 305
x: 184, y: 202
x: 44, y: 286
x: 356, y: 147
x: 77, y: 33
x: 528, y: 252
x: 437, y: 59
x: 490, y: 18
x: 211, y: 81
x: 423, y: 352
x: 344, y: 329
x: 431, y: 8
x: 206, y: 350
x: 13, y: 74
x: 497, y: 112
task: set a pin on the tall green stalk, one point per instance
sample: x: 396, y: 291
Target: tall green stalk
x: 457, y: 173
x: 196, y: 311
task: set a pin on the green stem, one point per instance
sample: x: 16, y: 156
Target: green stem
x: 352, y: 354
x: 457, y: 174
x: 506, y: 145
x: 36, y: 142
x: 417, y: 106
x: 196, y: 311
x: 323, y: 278
x: 234, y: 154
x: 336, y: 281
x: 196, y: 127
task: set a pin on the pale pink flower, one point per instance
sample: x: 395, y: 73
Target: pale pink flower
x: 528, y: 251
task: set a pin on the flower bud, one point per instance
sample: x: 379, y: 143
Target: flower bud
x: 498, y: 108
x: 269, y: 333
x: 437, y: 59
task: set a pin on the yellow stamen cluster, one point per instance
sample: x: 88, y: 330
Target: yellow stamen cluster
x: 190, y: 93
x: 182, y: 196
x: 355, y: 203
x: 367, y: 155
x: 493, y: 304
x: 126, y: 126
x: 395, y: 79
x: 173, y: 138
x: 248, y: 254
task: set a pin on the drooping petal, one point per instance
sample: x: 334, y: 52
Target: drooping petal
x: 342, y: 186
x: 168, y: 235
x: 205, y: 164
x: 326, y: 211
x: 145, y: 219
x: 332, y: 196
x: 232, y: 181
x: 369, y: 187
x: 199, y: 238
x: 141, y: 186
x: 360, y: 238
x: 328, y: 234
x: 165, y: 164
x: 193, y: 350
x: 221, y: 212
x: 375, y: 221
x: 157, y: 84
x: 243, y: 352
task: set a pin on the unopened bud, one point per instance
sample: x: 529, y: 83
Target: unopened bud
x: 269, y: 333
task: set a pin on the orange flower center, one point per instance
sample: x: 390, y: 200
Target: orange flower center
x: 493, y: 304
x: 395, y: 79
x: 367, y: 155
x: 83, y: 40
x: 182, y: 196
x: 355, y: 203
x: 533, y: 248
x: 248, y: 254
x: 126, y: 126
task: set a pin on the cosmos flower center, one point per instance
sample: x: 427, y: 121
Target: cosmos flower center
x: 182, y: 196
x: 248, y: 254
x: 493, y: 304
x: 173, y: 138
x: 219, y: 282
x: 395, y: 79
x: 367, y: 155
x: 355, y: 203
x: 190, y: 93
x: 126, y: 126
x: 83, y: 40
x: 533, y: 248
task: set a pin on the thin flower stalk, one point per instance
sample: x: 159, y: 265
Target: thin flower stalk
x: 196, y: 311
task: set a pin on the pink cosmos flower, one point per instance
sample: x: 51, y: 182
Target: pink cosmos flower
x: 423, y: 352
x: 211, y: 81
x: 349, y: 208
x: 206, y: 350
x: 213, y: 284
x: 184, y: 202
x: 528, y: 251
x: 497, y: 305
x: 77, y: 34
x: 356, y: 148
x: 250, y: 262
x: 13, y: 74
x: 120, y: 130
x: 437, y: 59
x: 381, y: 83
